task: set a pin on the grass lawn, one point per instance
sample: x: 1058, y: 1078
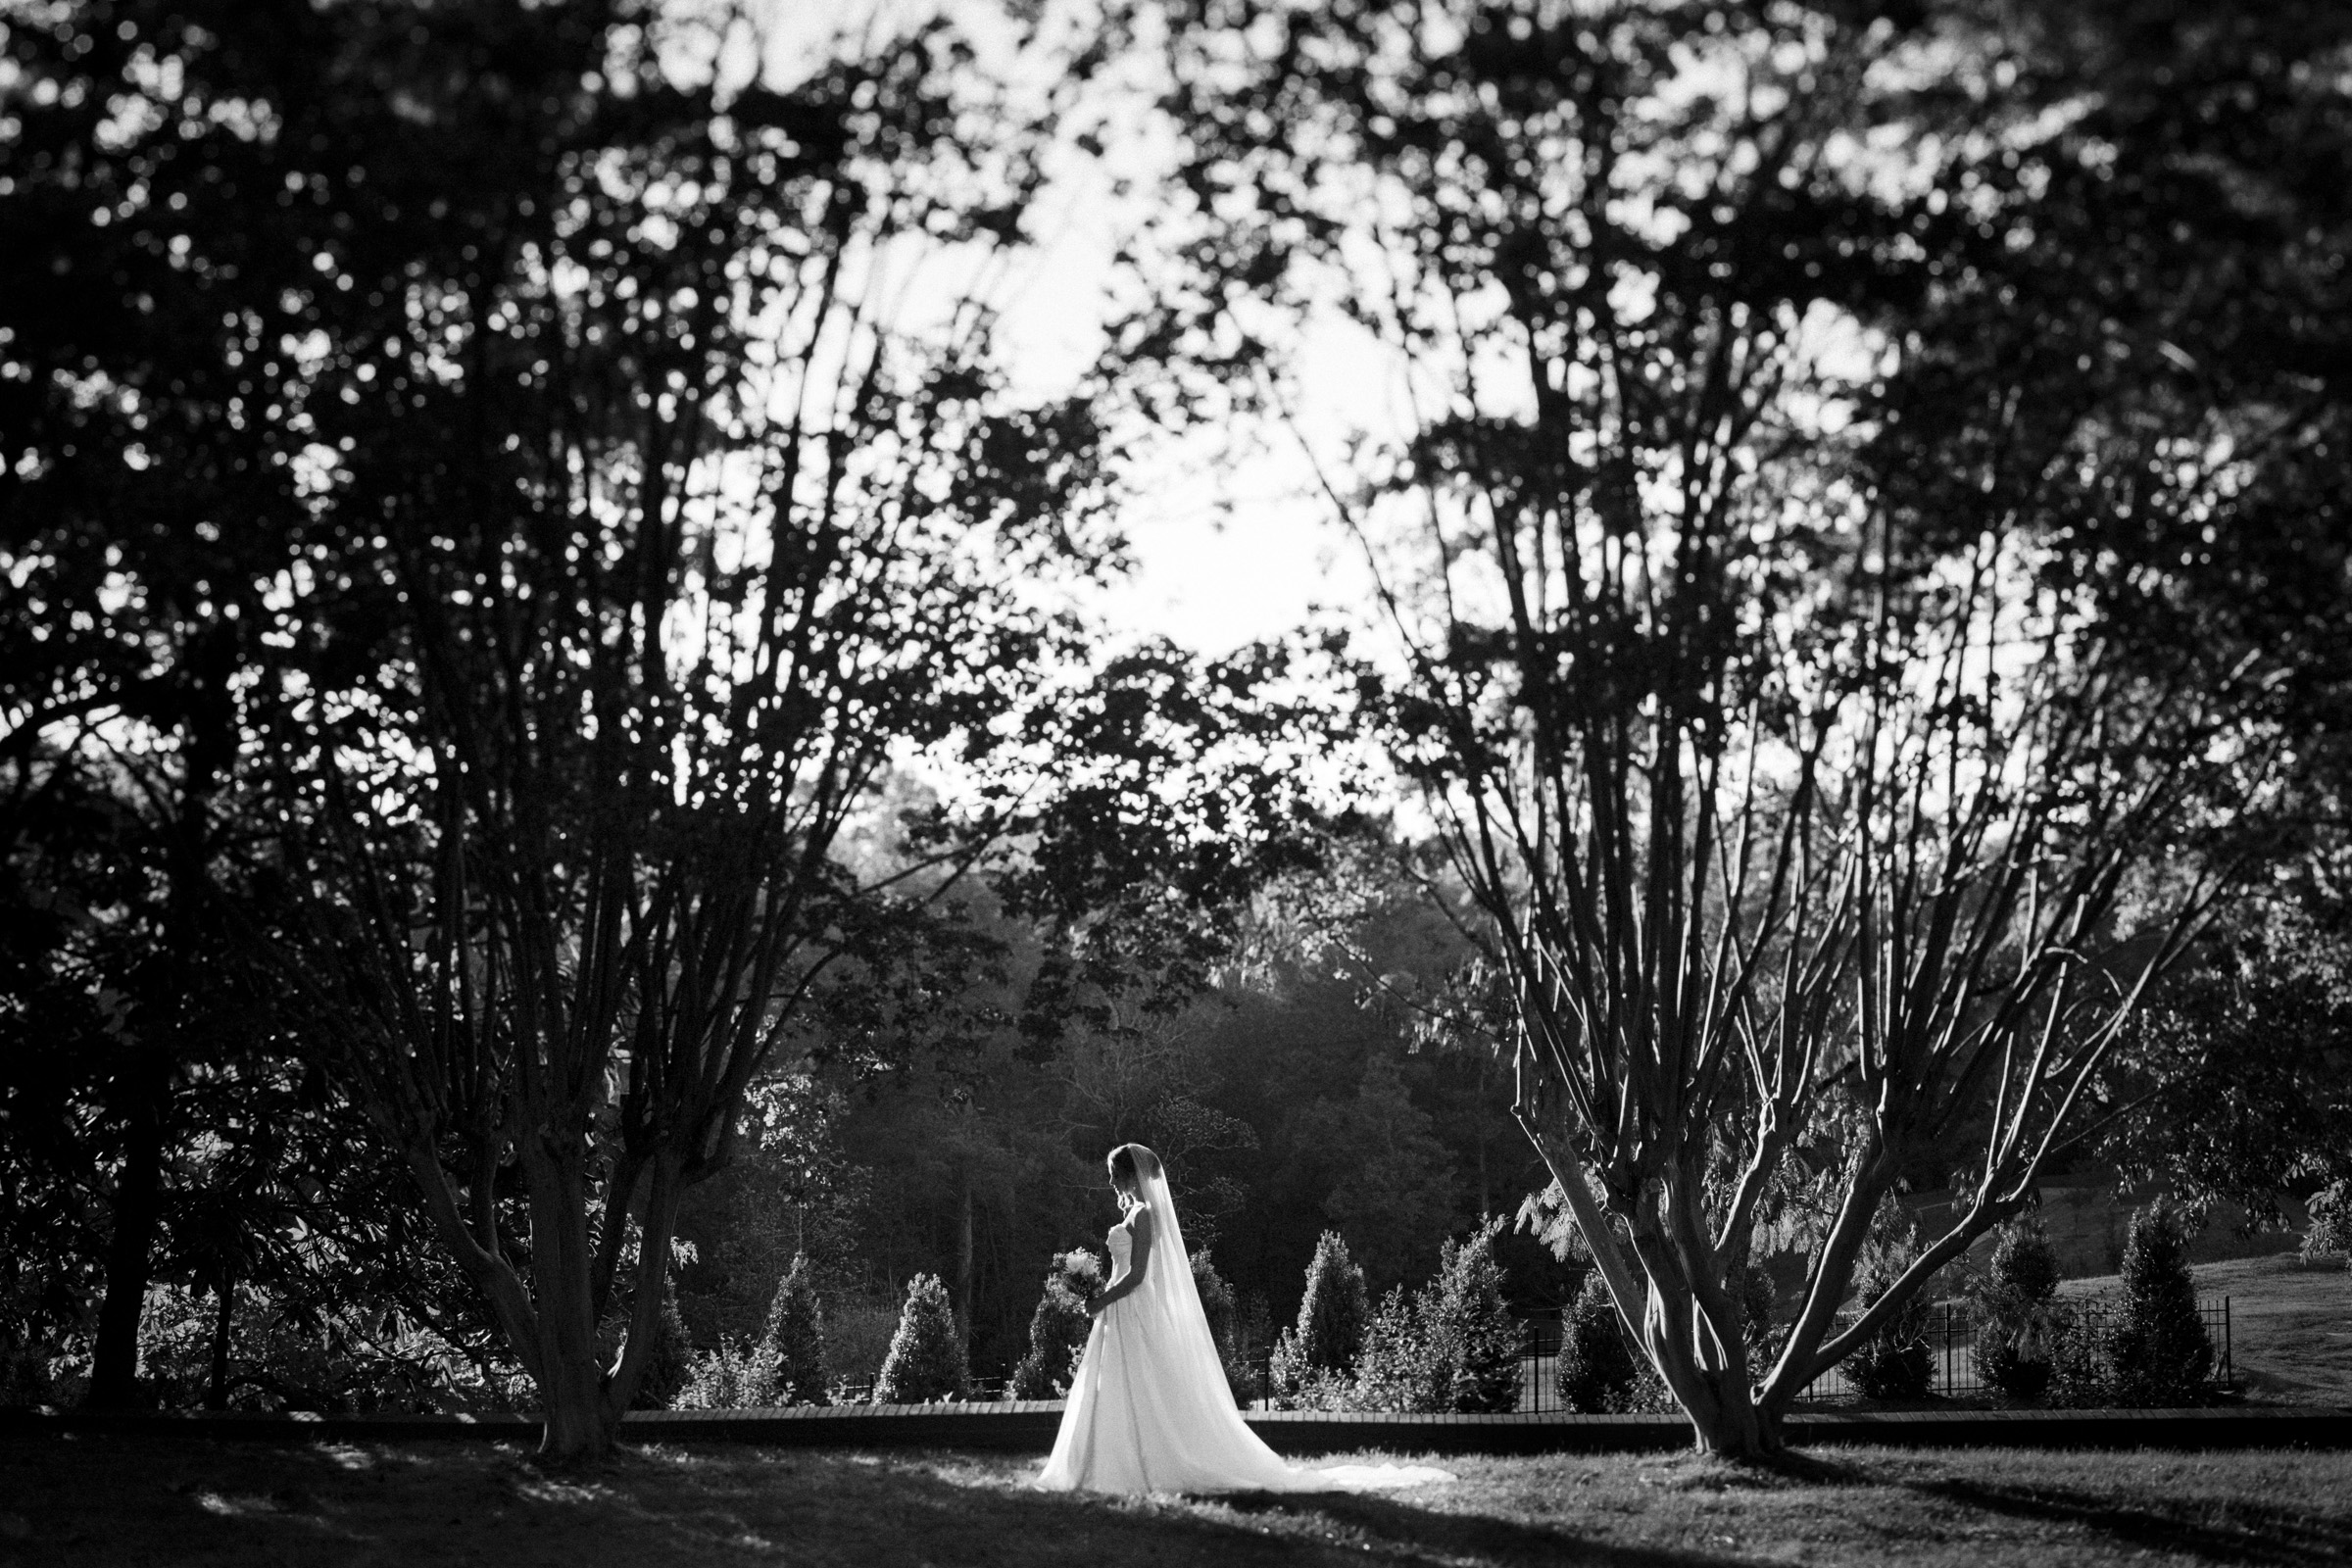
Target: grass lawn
x: 138, y: 1501
x: 2291, y: 1324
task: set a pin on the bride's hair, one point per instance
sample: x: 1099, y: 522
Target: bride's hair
x: 1127, y: 1168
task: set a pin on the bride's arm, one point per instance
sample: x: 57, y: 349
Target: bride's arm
x: 1139, y: 1259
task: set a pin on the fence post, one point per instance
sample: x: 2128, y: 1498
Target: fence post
x: 1947, y: 1349
x: 2228, y: 1359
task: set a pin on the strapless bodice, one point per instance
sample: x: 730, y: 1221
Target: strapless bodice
x: 1122, y: 1247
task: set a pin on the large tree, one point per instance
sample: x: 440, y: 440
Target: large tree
x: 164, y: 179
x: 685, y: 507
x: 1799, y: 475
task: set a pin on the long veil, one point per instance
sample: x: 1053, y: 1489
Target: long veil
x: 1169, y: 1276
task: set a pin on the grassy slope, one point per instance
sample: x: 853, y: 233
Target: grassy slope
x: 2290, y: 1322
x: 106, y: 1501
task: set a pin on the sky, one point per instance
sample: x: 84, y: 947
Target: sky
x: 1230, y: 542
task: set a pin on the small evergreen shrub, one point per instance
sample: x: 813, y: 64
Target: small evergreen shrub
x: 1453, y: 1346
x: 1296, y: 1386
x: 1895, y: 1362
x: 737, y: 1376
x: 1058, y: 1328
x: 1472, y: 1336
x: 1399, y: 1369
x: 1599, y: 1371
x: 1224, y: 1327
x: 670, y: 1362
x: 1285, y: 1368
x: 2159, y: 1348
x: 2330, y: 1228
x: 1334, y: 1313
x: 2017, y: 1319
x: 926, y: 1360
x: 2081, y: 1357
x: 795, y: 1340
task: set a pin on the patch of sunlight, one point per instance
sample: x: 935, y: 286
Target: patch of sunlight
x: 237, y: 1508
x: 543, y: 1489
x: 348, y: 1456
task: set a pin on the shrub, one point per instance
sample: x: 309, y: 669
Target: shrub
x: 1224, y: 1324
x: 1399, y: 1367
x: 1599, y: 1372
x: 1057, y: 1329
x: 2330, y: 1229
x: 926, y: 1360
x: 1758, y: 1297
x: 2159, y: 1348
x: 670, y: 1361
x: 737, y: 1376
x: 1895, y: 1362
x: 2017, y: 1320
x: 1332, y: 1315
x: 1472, y: 1336
x: 1287, y: 1370
x: 795, y: 1340
x: 2081, y: 1359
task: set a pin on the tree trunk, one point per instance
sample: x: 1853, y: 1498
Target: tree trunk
x: 138, y: 1216
x: 963, y: 1267
x: 224, y: 1299
x: 581, y: 1420
x: 1709, y: 1381
x: 1727, y: 1421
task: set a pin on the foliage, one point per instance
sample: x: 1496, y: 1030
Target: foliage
x: 2015, y: 1316
x: 795, y: 1339
x: 1453, y: 1346
x: 1681, y: 612
x: 1225, y: 1329
x: 270, y: 1354
x: 1475, y: 1338
x: 2082, y: 1354
x: 1058, y: 1328
x: 1759, y: 1331
x: 1600, y: 1371
x: 1396, y: 1196
x: 2239, y: 1089
x: 2159, y: 1347
x: 1333, y: 1313
x: 669, y: 1360
x: 1895, y: 1362
x: 1401, y: 1367
x: 926, y: 1360
x: 738, y: 1375
x: 2330, y: 1228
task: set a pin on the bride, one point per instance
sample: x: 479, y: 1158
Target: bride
x: 1150, y: 1409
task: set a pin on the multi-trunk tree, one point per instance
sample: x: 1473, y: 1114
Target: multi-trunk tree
x: 676, y: 543
x: 1773, y: 541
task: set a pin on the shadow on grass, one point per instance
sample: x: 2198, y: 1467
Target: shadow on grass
x: 2252, y: 1533
x: 132, y: 1501
x: 1385, y: 1527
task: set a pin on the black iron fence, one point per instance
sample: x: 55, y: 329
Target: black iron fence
x: 1952, y: 1337
x: 1951, y: 1340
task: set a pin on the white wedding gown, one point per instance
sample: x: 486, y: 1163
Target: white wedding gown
x: 1150, y: 1409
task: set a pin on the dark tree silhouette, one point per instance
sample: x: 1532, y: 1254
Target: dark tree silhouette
x: 1777, y: 551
